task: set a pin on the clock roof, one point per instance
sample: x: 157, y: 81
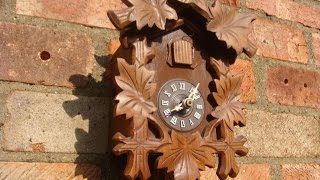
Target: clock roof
x: 217, y: 25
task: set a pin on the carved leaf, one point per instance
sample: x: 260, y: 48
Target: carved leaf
x: 137, y: 89
x: 150, y: 12
x: 200, y: 6
x: 232, y: 27
x: 185, y: 156
x: 227, y: 96
x: 219, y: 67
x: 138, y: 150
x: 228, y: 147
x: 228, y: 165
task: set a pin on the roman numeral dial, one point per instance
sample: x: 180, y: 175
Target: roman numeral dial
x: 180, y: 104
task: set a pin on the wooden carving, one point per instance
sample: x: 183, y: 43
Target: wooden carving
x: 218, y: 34
x: 182, y: 52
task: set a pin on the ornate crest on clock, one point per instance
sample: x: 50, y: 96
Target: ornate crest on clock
x: 176, y: 99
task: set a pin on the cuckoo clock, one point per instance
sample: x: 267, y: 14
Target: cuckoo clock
x: 176, y: 99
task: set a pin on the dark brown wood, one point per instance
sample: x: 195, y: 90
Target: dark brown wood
x: 179, y: 68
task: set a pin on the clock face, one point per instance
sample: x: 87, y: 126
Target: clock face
x: 180, y: 104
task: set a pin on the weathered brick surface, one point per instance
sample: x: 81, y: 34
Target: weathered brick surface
x: 3, y: 110
x: 48, y: 171
x: 1, y: 4
x: 289, y: 10
x: 42, y: 122
x: 316, y: 47
x: 301, y: 171
x: 231, y: 2
x: 92, y: 13
x: 43, y: 56
x: 292, y: 86
x: 281, y: 135
x: 246, y: 172
x: 248, y: 85
x: 280, y: 41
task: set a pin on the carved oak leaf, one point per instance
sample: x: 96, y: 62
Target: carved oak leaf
x: 152, y: 12
x: 232, y: 27
x: 185, y: 156
x: 137, y: 89
x: 227, y: 96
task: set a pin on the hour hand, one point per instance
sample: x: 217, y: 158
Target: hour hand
x: 177, y: 108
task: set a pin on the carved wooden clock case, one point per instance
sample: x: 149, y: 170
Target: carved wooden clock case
x: 176, y: 99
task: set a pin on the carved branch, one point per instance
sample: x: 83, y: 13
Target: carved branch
x: 228, y: 113
x: 137, y: 85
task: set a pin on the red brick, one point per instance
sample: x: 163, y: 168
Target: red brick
x: 289, y: 10
x: 246, y: 172
x: 292, y: 86
x: 280, y: 41
x: 316, y: 47
x: 44, y: 171
x: 300, y: 171
x: 92, y: 13
x: 248, y: 85
x: 231, y: 2
x: 20, y: 55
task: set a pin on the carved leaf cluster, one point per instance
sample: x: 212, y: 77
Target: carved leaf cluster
x: 152, y: 12
x: 227, y: 97
x: 138, y: 150
x: 185, y: 156
x: 137, y: 89
x: 232, y: 27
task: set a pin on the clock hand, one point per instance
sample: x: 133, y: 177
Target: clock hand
x: 189, y: 100
x: 194, y: 92
x: 177, y: 108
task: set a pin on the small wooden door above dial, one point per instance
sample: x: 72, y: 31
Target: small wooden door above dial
x: 181, y: 52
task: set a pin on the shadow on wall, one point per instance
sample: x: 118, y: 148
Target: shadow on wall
x: 94, y: 105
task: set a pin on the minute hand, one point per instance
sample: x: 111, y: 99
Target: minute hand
x: 194, y: 92
x: 192, y: 96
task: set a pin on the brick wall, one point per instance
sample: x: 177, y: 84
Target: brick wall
x: 55, y: 105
